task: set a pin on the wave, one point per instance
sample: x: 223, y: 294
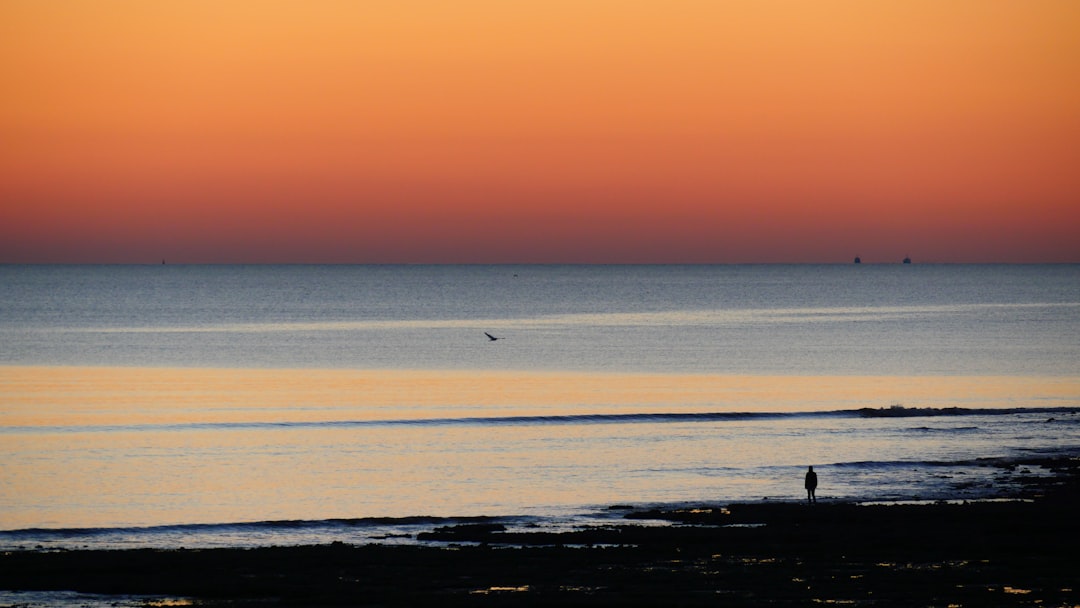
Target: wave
x: 957, y: 429
x: 895, y: 411
x: 899, y: 411
x: 1040, y: 457
x: 245, y: 527
x: 907, y: 464
x: 568, y: 419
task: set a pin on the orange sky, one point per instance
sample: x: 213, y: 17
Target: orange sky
x: 548, y: 131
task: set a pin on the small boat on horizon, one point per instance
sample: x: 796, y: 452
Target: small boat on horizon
x: 907, y: 260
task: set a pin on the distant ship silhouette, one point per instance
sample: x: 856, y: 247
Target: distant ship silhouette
x: 858, y: 260
x: 907, y: 260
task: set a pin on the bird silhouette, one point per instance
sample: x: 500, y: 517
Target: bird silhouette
x: 490, y: 337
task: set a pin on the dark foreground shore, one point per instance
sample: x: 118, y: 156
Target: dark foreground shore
x: 1022, y: 553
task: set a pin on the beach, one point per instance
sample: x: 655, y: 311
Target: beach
x: 637, y: 436
x: 1018, y: 552
x: 487, y: 303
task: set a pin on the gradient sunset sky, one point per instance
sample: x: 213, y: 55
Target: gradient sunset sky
x: 600, y: 131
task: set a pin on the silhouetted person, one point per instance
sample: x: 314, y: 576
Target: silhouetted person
x: 811, y: 485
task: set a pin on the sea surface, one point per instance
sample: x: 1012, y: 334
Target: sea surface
x: 198, y: 406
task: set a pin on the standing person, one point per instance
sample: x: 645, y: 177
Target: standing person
x: 811, y: 485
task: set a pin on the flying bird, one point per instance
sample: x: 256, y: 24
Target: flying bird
x: 490, y: 337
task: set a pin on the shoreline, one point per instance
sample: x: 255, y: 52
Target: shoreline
x: 781, y: 554
x: 996, y: 479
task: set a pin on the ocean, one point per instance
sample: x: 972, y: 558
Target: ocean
x: 201, y: 406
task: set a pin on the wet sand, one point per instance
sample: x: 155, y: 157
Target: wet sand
x: 1019, y: 553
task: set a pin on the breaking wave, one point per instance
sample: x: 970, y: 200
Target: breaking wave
x: 569, y: 419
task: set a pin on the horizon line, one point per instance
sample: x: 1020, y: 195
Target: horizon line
x: 786, y: 263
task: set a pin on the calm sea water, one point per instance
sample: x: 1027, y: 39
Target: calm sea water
x: 239, y: 405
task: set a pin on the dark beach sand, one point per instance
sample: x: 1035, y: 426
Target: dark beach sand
x: 1022, y: 553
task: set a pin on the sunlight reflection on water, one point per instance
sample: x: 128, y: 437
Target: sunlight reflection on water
x: 87, y: 446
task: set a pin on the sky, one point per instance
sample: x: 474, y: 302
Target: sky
x: 554, y: 131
